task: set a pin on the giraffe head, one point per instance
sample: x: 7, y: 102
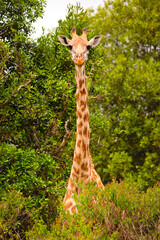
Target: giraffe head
x: 79, y: 46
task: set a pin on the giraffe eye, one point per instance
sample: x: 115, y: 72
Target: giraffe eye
x: 88, y: 47
x: 70, y: 47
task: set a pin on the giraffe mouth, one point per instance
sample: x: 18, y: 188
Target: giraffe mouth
x: 79, y: 62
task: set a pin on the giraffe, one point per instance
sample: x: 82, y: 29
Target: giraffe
x: 82, y: 167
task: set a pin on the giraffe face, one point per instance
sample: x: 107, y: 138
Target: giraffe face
x: 79, y: 46
x: 79, y: 51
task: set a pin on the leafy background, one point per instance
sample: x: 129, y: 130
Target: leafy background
x: 38, y: 122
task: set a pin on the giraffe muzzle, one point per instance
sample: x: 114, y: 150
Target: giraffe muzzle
x: 80, y: 62
x: 79, y: 59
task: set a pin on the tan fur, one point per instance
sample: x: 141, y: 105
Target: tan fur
x: 82, y: 167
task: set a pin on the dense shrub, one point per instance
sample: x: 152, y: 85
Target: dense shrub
x: 121, y: 211
x: 32, y: 184
x: 15, y: 218
x: 37, y: 175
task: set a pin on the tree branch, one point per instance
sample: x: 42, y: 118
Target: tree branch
x: 66, y: 136
x: 15, y: 92
x: 2, y: 33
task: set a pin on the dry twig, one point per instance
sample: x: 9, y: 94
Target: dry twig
x: 66, y: 136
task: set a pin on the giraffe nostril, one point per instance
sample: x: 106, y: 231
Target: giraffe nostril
x: 80, y: 55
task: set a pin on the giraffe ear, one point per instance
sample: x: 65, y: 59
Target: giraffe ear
x: 64, y: 40
x: 95, y: 41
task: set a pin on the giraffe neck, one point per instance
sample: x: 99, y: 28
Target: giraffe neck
x: 82, y: 167
x: 81, y: 159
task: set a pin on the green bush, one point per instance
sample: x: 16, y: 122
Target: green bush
x: 121, y: 211
x: 37, y: 175
x: 15, y: 218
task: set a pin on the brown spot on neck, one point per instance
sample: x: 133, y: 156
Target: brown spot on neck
x: 79, y: 132
x: 80, y: 124
x: 83, y: 105
x: 84, y: 147
x: 83, y: 92
x: 77, y: 157
x: 85, y: 131
x: 86, y: 117
x: 79, y: 114
x: 76, y: 170
x: 79, y: 143
x: 88, y: 134
x: 77, y: 96
x: 81, y: 82
x: 84, y: 166
x: 85, y: 176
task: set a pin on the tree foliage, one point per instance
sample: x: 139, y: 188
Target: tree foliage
x: 16, y: 17
x: 128, y: 91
